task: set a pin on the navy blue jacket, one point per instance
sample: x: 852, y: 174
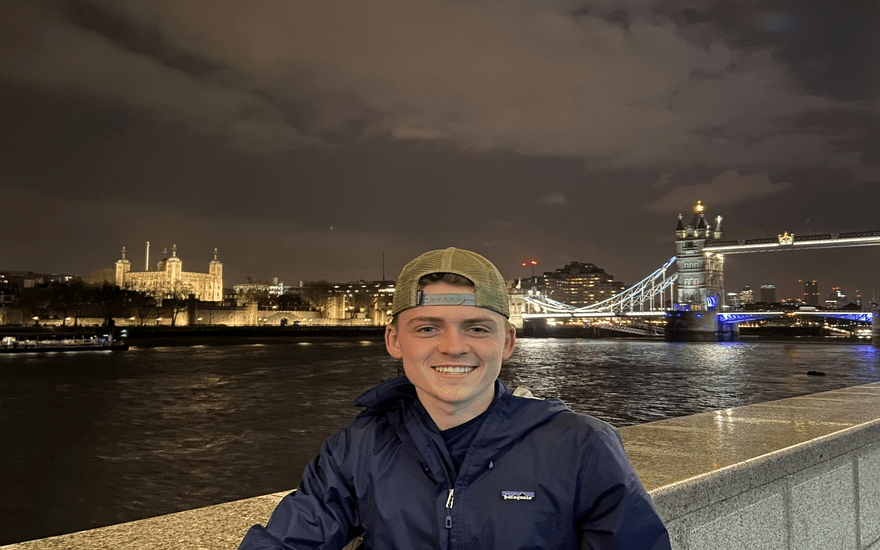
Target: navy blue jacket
x: 537, y: 476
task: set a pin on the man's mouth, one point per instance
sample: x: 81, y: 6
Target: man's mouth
x: 444, y: 369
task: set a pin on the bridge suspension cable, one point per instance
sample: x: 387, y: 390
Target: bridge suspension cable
x: 633, y: 298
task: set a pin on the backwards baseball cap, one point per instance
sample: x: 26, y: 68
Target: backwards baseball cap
x: 490, y: 291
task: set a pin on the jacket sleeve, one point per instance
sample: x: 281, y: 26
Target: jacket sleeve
x: 321, y: 513
x: 616, y: 511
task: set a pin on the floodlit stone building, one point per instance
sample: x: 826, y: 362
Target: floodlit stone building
x: 700, y: 273
x: 169, y: 280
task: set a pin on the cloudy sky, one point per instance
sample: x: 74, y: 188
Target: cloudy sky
x: 310, y: 139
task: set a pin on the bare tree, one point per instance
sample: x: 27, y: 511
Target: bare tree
x: 178, y: 295
x: 111, y: 301
x: 144, y: 304
x: 359, y: 302
x: 319, y: 294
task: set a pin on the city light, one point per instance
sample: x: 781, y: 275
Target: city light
x: 530, y: 262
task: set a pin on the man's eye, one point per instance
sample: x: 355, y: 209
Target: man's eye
x: 426, y: 329
x: 479, y: 329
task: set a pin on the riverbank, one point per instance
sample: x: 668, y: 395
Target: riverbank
x: 185, y: 335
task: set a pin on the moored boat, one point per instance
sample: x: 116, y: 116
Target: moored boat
x: 17, y: 344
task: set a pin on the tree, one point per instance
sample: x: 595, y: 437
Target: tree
x: 110, y: 300
x: 177, y: 294
x: 359, y: 301
x: 143, y: 303
x: 37, y: 301
x: 319, y: 294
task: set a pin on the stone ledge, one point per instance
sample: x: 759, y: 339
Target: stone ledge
x: 210, y: 528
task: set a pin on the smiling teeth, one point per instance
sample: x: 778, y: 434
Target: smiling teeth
x: 454, y: 370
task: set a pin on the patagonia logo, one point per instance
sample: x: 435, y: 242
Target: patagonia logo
x: 517, y: 495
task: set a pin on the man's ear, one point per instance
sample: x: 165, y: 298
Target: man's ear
x: 392, y: 344
x: 509, y: 341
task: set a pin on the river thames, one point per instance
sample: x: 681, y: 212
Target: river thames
x: 92, y: 439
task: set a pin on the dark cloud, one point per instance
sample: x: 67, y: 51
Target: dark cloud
x: 304, y: 140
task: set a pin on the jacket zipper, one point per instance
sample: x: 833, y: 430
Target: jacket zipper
x: 449, y: 500
x: 451, y: 496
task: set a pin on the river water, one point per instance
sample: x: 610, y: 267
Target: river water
x: 92, y: 439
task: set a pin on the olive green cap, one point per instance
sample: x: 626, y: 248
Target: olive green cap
x: 490, y: 290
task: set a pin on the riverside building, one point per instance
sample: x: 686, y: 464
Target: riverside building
x: 169, y: 280
x: 580, y: 284
x: 768, y: 294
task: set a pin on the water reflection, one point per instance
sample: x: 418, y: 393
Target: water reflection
x: 629, y: 382
x: 96, y: 439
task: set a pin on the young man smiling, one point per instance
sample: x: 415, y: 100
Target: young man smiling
x: 451, y: 353
x: 447, y: 457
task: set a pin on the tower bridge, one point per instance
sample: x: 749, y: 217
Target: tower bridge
x: 691, y: 297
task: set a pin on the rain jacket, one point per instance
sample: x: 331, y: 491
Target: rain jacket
x: 537, y: 476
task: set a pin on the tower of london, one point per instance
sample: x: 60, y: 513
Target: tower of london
x: 169, y: 280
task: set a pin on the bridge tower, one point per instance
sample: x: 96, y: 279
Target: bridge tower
x: 700, y: 282
x: 700, y: 273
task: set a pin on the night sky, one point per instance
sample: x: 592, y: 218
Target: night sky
x: 307, y: 139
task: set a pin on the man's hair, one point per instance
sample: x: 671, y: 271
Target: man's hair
x: 453, y: 279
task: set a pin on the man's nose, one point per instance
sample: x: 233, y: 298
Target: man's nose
x: 453, y: 343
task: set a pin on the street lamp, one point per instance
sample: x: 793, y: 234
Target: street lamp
x: 531, y: 262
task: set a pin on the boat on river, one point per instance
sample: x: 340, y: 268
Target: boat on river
x: 25, y: 344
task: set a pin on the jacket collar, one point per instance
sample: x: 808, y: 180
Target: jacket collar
x: 518, y: 413
x: 393, y: 390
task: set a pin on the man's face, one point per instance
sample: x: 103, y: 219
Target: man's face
x: 451, y: 354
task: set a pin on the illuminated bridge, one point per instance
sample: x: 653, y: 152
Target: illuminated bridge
x: 643, y: 299
x: 748, y: 316
x: 694, y: 287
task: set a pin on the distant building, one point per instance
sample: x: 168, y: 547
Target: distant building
x: 360, y: 300
x: 246, y: 291
x: 747, y: 296
x: 580, y: 284
x: 733, y: 300
x: 836, y: 299
x: 768, y: 294
x: 169, y: 280
x: 811, y: 293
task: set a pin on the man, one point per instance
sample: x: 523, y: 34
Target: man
x: 448, y: 458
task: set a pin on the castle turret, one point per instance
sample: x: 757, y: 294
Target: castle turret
x: 718, y: 233
x: 160, y: 265
x: 680, y: 231
x: 174, y: 266
x: 215, y: 270
x: 123, y: 266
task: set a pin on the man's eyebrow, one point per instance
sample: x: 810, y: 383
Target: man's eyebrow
x: 439, y: 320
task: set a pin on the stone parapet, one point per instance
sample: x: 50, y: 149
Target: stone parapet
x: 798, y: 473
